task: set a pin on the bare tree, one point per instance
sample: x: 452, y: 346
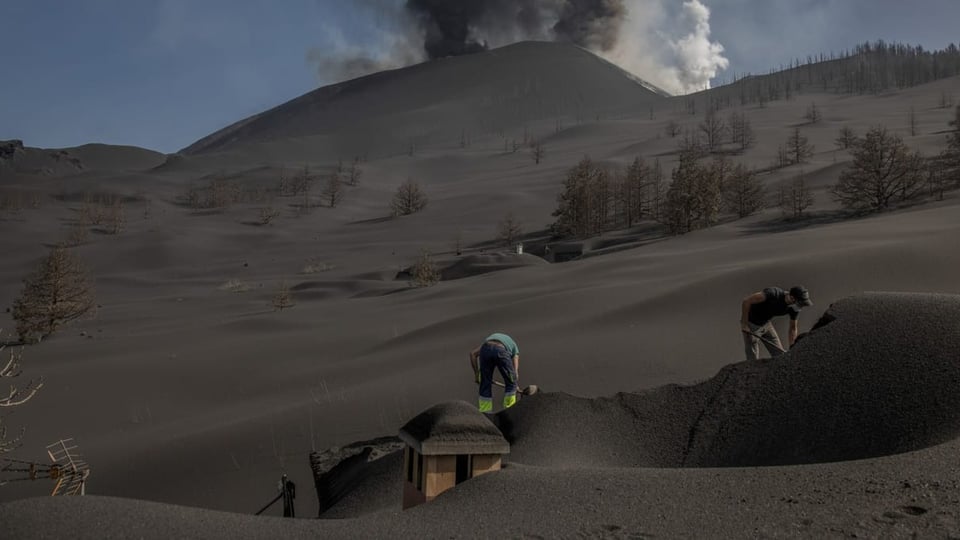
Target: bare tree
x: 355, y: 172
x: 691, y: 144
x: 884, y: 171
x: 795, y: 199
x: 115, y: 216
x: 424, y: 272
x: 949, y: 159
x: 78, y: 234
x: 936, y: 179
x: 303, y: 182
x: 631, y: 192
x: 693, y: 198
x: 458, y: 243
x: 282, y: 297
x: 509, y: 230
x: 573, y: 210
x: 672, y: 129
x: 799, y: 148
x: 741, y: 132
x: 333, y: 190
x: 57, y: 292
x: 946, y: 100
x: 409, y: 199
x: 783, y: 156
x: 655, y: 190
x: 813, y: 114
x: 15, y: 396
x: 712, y: 128
x: 221, y: 194
x: 846, y: 138
x: 743, y: 192
x: 538, y: 152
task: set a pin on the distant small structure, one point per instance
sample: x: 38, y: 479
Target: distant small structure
x: 447, y: 445
x: 563, y: 252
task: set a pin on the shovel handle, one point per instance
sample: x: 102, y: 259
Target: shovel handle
x: 765, y: 340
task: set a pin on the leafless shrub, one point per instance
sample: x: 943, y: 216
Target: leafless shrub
x: 409, y: 199
x: 282, y: 297
x: 315, y: 267
x: 268, y: 214
x: 78, y: 234
x: 424, y: 272
x: 234, y: 286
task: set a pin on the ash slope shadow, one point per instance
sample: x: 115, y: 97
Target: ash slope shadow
x: 878, y: 375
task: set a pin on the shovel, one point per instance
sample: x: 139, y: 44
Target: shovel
x: 765, y: 340
x: 527, y: 390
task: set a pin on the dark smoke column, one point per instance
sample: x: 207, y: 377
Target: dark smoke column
x: 594, y: 24
x: 447, y: 25
x: 456, y: 27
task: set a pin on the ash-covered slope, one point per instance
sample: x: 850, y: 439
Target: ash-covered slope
x: 452, y: 97
x: 878, y: 375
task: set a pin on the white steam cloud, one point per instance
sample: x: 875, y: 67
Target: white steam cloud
x: 652, y: 39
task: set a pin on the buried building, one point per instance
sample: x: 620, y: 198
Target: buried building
x: 446, y: 445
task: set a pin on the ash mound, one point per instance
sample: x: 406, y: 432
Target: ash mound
x: 879, y: 374
x: 473, y: 265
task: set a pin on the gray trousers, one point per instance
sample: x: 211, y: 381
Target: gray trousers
x: 751, y: 344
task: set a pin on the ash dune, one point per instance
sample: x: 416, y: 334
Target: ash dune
x: 189, y: 396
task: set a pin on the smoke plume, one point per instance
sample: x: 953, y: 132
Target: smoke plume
x: 649, y: 38
x: 469, y: 26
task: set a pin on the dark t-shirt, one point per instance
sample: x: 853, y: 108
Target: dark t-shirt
x: 774, y: 305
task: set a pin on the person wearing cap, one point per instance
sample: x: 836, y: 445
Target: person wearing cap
x: 758, y: 311
x: 499, y: 351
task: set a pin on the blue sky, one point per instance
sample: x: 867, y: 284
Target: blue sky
x: 163, y: 73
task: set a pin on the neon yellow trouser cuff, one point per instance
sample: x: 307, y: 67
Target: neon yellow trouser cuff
x: 485, y: 404
x: 509, y: 401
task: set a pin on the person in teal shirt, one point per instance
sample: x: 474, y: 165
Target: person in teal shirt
x: 499, y: 351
